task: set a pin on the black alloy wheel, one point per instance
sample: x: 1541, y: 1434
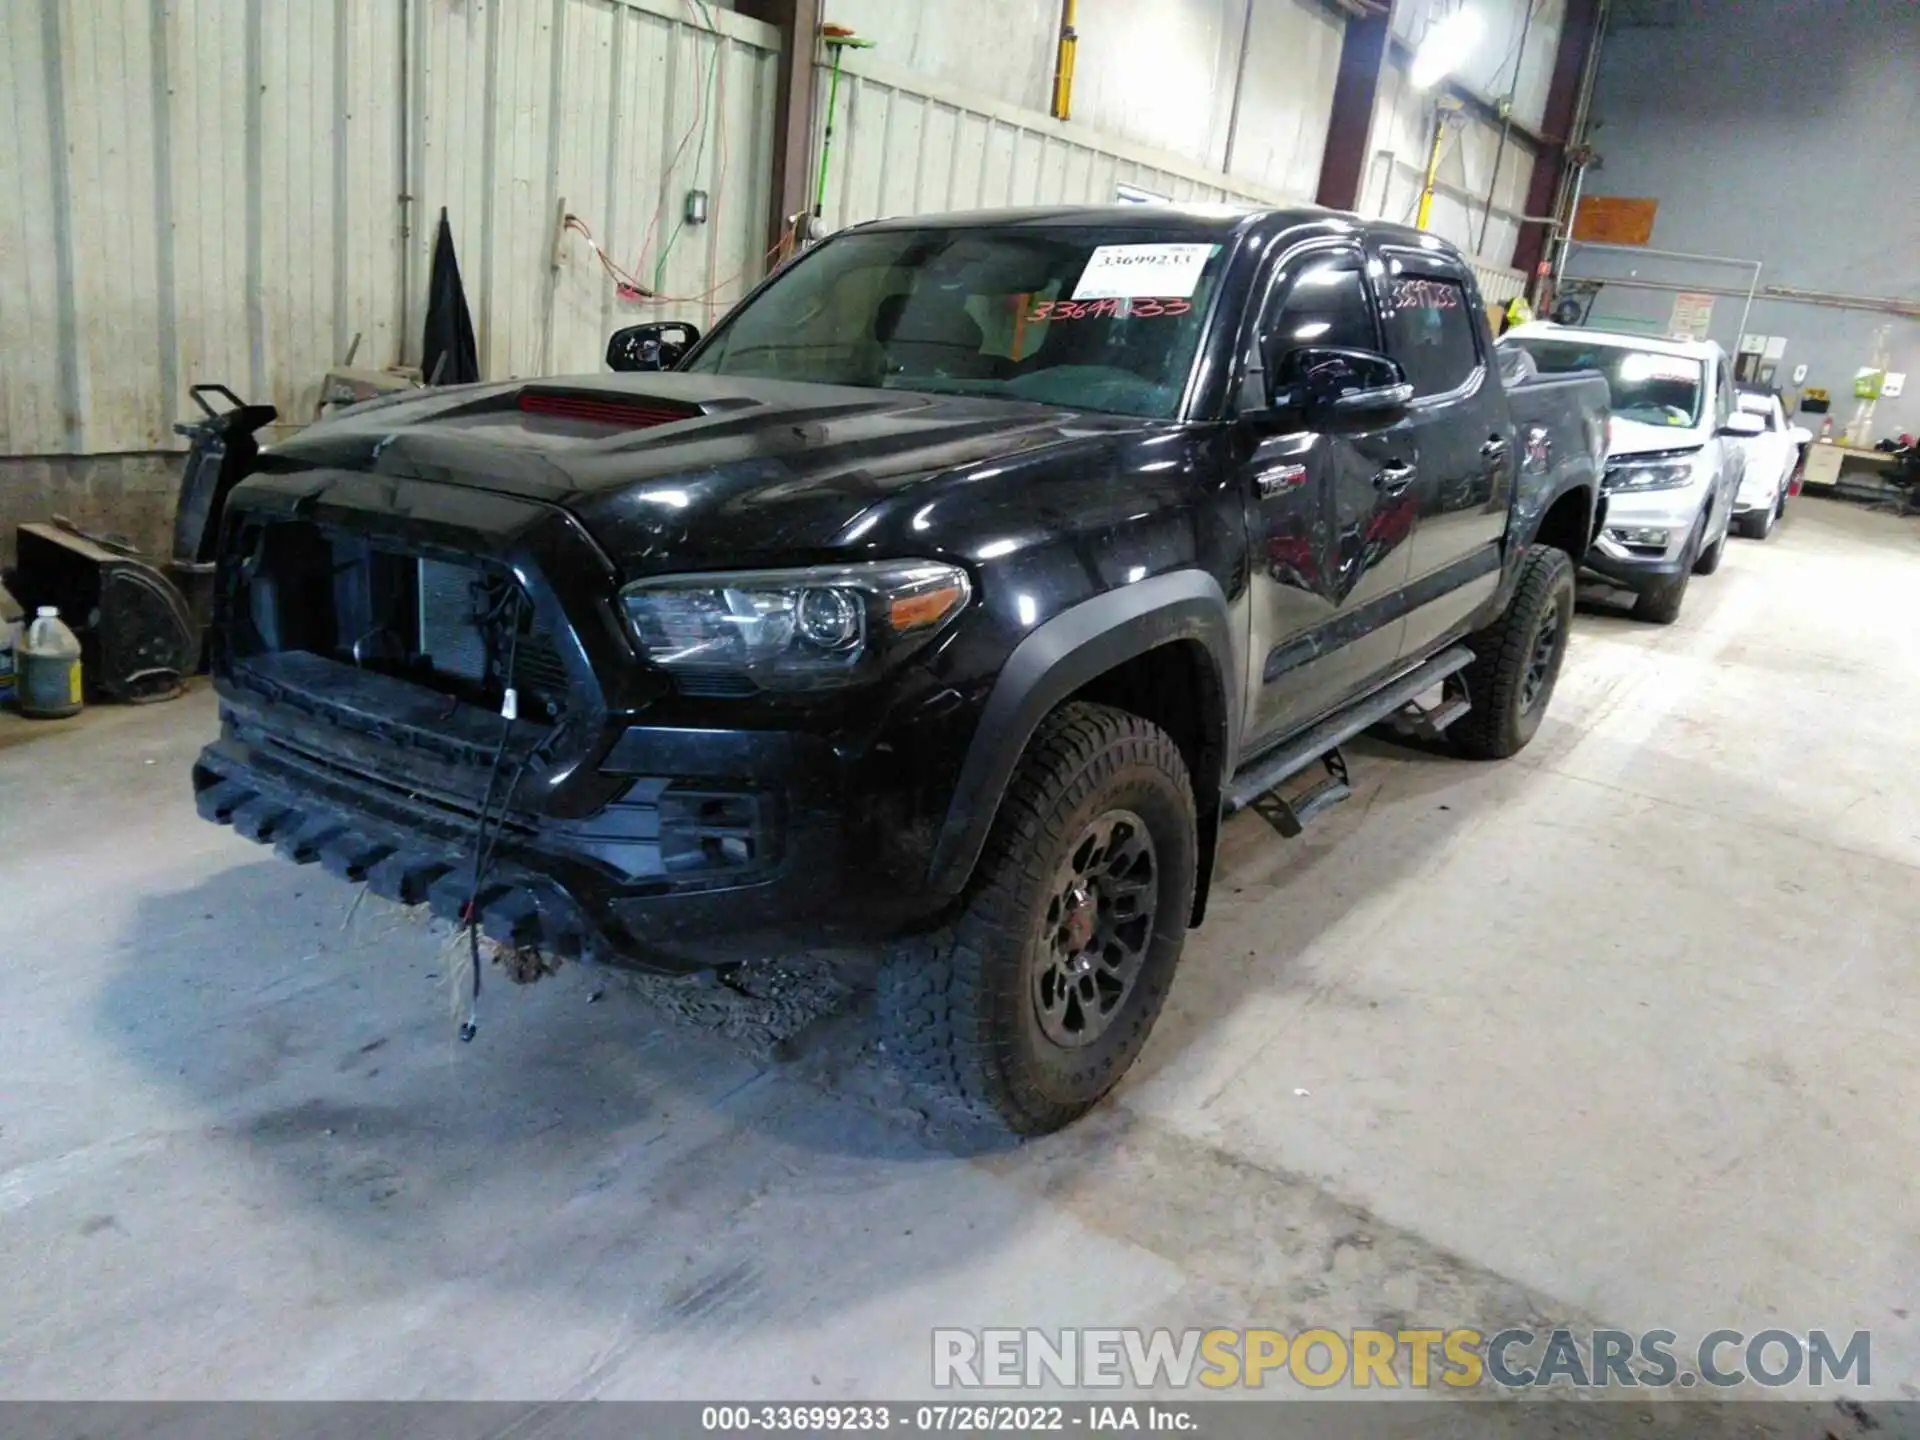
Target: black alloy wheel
x: 1096, y: 929
x: 1537, y: 682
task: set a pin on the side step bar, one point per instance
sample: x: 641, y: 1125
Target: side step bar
x: 1429, y: 723
x: 1324, y: 740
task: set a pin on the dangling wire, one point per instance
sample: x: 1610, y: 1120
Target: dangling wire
x: 482, y: 846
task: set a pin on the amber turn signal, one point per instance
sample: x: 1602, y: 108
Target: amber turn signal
x: 929, y: 607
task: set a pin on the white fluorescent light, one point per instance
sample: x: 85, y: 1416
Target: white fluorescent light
x: 1444, y: 47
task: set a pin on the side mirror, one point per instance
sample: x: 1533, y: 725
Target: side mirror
x: 1799, y: 435
x: 1740, y: 425
x: 657, y: 345
x: 1349, y: 384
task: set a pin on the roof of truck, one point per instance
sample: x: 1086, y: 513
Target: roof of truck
x: 1653, y: 344
x: 1221, y: 220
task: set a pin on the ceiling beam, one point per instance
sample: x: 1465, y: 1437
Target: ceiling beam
x: 1356, y: 89
x: 1577, y: 53
x: 798, y: 22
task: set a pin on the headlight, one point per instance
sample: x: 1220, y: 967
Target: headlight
x: 1649, y: 475
x: 794, y: 629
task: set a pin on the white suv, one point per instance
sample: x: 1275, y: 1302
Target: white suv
x: 1674, y: 459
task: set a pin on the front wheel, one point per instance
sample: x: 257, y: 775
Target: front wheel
x: 1516, y: 660
x: 1661, y: 604
x: 1710, y: 557
x: 1039, y: 996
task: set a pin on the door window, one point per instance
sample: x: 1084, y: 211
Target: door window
x: 1429, y: 324
x: 1325, y: 305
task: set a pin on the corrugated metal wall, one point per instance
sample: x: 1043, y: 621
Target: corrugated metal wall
x: 213, y: 189
x: 1160, y: 74
x: 616, y: 109
x: 905, y: 145
x: 1402, y: 132
x: 1499, y: 282
x: 210, y: 189
x: 1513, y: 60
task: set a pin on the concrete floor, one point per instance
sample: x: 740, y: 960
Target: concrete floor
x: 1625, y: 1031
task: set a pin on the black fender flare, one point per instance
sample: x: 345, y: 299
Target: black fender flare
x: 1535, y: 502
x: 1062, y: 656
x: 1530, y: 510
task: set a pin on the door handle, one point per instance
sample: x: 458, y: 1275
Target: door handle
x: 1495, y: 450
x: 1393, y: 479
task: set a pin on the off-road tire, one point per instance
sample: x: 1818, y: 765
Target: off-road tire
x: 957, y: 1009
x: 1501, y: 721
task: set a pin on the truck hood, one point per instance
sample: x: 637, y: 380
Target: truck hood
x: 692, y: 469
x: 1636, y: 437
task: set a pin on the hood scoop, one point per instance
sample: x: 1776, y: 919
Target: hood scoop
x: 628, y: 412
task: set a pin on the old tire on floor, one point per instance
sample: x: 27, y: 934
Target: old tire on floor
x: 1038, y: 997
x: 1517, y: 659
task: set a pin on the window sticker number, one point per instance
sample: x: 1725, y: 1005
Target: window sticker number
x: 1145, y: 307
x: 1425, y: 295
x: 1131, y: 272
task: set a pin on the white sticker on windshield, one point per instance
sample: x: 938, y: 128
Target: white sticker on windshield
x: 1650, y: 365
x: 1138, y: 272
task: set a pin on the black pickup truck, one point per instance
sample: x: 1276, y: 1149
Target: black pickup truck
x: 950, y: 594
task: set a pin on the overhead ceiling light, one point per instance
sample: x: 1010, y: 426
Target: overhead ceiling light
x: 1444, y: 46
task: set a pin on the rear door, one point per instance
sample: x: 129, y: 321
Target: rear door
x: 1439, y: 335
x: 1328, y: 514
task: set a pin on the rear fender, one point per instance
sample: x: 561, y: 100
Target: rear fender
x: 1542, y: 484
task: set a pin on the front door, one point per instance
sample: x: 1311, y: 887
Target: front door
x: 1328, y: 516
x: 1467, y: 453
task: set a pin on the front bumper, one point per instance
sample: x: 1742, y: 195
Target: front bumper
x: 1621, y: 554
x: 743, y: 849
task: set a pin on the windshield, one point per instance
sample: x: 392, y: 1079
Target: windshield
x: 1093, y: 319
x: 1646, y: 385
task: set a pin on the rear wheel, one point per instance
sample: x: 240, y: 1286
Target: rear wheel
x: 1758, y: 524
x: 1516, y: 660
x: 1040, y: 995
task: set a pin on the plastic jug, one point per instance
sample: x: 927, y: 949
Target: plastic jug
x: 47, y: 666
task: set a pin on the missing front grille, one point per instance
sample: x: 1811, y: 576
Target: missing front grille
x: 438, y: 620
x: 450, y: 604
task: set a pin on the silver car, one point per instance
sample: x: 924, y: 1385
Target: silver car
x: 1674, y: 456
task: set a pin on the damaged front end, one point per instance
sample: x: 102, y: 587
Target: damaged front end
x: 412, y: 696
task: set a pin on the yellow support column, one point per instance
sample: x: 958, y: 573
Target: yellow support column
x: 1446, y: 108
